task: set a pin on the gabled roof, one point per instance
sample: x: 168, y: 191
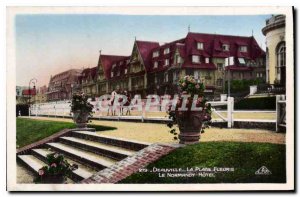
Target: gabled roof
x: 186, y: 47
x: 107, y: 62
x: 213, y: 45
x: 145, y: 49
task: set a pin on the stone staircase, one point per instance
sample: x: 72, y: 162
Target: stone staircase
x: 92, y: 152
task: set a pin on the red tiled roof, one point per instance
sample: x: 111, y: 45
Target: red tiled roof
x: 107, y: 62
x: 212, y: 47
x: 146, y: 48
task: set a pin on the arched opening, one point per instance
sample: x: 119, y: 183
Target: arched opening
x: 281, y: 64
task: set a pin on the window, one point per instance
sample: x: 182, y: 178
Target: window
x: 155, y: 54
x: 166, y: 62
x: 112, y: 74
x: 197, y: 74
x: 200, y: 45
x: 189, y: 72
x: 219, y: 82
x: 225, y: 47
x: 114, y: 65
x: 166, y: 77
x: 167, y: 50
x: 207, y: 60
x: 281, y: 56
x: 220, y: 66
x: 155, y: 65
x: 241, y: 75
x: 243, y: 48
x: 177, y: 59
x: 241, y: 60
x: 196, y: 59
x: 174, y: 76
x: 125, y: 71
x: 127, y: 61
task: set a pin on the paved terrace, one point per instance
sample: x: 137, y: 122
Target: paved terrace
x: 158, y: 133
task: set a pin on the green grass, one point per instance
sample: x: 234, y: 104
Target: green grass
x: 29, y: 131
x: 245, y: 158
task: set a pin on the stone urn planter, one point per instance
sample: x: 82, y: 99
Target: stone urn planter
x: 81, y: 109
x: 190, y: 125
x: 81, y: 118
x: 191, y: 113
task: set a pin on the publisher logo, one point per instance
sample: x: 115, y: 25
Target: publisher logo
x: 263, y: 171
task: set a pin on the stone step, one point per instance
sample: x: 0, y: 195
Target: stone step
x: 120, y: 142
x: 86, y: 158
x: 32, y: 162
x: 110, y: 151
x: 76, y: 175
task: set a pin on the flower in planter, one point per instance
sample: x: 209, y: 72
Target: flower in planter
x: 80, y: 107
x: 56, y: 170
x: 41, y: 172
x: 54, y: 165
x: 191, y: 119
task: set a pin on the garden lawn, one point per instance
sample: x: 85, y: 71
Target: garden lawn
x: 30, y: 130
x: 245, y: 158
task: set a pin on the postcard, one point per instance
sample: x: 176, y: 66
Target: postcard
x: 150, y: 99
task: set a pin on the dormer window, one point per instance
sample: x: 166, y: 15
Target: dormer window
x: 166, y: 62
x: 200, y: 45
x: 155, y: 54
x: 207, y: 60
x: 167, y: 51
x: 195, y: 58
x: 243, y: 48
x: 225, y: 47
x: 155, y: 65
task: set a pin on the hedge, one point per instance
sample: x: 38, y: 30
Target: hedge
x: 261, y: 103
x: 237, y: 86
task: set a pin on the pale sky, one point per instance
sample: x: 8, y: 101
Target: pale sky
x: 49, y: 44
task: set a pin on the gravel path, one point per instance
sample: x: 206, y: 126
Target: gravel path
x: 152, y: 132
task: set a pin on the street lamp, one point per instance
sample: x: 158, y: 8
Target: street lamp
x: 33, y: 81
x: 72, y: 86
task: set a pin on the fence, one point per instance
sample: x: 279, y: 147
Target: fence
x: 280, y: 112
x: 155, y: 113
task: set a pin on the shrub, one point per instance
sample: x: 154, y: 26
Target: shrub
x: 268, y: 103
